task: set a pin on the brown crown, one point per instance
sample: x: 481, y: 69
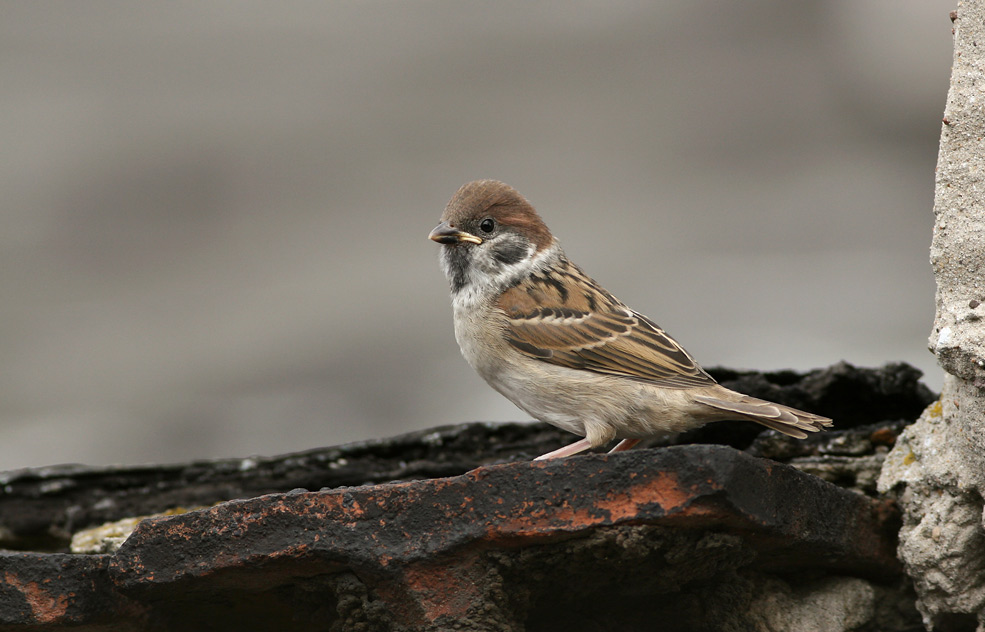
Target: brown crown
x: 491, y: 198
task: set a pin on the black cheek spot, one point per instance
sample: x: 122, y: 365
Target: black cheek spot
x: 509, y: 254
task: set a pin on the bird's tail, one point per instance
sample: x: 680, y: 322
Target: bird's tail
x: 789, y: 421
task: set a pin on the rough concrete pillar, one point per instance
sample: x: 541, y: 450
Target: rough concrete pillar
x: 938, y: 465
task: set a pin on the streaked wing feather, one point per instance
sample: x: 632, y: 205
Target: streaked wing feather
x: 563, y: 317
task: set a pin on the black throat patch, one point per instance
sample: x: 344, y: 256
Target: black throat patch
x: 456, y: 266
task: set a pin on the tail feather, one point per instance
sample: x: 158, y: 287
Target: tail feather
x: 789, y: 421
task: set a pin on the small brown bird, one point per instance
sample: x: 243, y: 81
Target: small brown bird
x: 559, y: 346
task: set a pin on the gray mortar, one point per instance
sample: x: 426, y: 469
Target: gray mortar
x: 938, y: 465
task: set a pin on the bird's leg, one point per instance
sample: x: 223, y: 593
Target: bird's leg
x: 624, y: 445
x: 568, y: 450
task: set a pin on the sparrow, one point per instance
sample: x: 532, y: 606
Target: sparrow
x: 563, y: 349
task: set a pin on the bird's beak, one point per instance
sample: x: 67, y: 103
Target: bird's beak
x: 445, y: 234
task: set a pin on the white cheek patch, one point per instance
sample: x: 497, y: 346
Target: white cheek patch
x: 487, y: 276
x: 487, y: 268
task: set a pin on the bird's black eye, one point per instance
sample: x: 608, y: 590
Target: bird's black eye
x: 487, y: 225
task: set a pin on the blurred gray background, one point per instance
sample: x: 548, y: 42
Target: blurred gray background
x: 214, y: 215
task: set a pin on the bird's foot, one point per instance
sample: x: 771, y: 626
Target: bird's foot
x: 568, y: 450
x: 624, y: 445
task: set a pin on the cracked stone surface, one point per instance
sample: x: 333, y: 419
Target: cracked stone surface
x: 455, y: 529
x: 485, y: 550
x: 40, y: 508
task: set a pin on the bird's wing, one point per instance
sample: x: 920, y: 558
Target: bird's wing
x: 565, y: 318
